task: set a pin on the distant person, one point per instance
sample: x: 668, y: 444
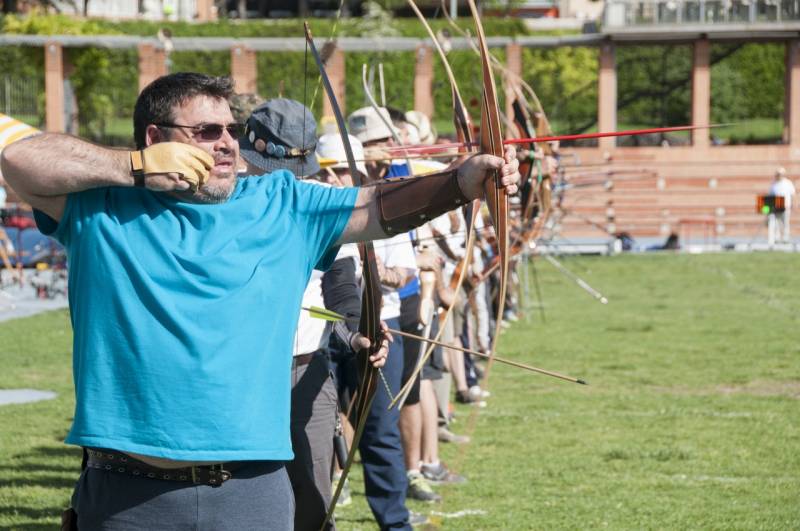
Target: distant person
x: 781, y: 187
x: 3, y: 193
x: 627, y: 242
x: 243, y: 104
x: 672, y: 243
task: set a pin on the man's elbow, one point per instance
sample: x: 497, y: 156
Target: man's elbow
x: 10, y: 165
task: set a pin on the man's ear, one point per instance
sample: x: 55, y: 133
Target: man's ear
x: 153, y: 135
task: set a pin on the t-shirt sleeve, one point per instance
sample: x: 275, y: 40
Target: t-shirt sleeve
x: 400, y: 252
x: 78, y: 208
x: 323, y: 213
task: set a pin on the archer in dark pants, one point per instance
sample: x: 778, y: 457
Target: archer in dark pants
x: 381, y: 450
x: 380, y: 446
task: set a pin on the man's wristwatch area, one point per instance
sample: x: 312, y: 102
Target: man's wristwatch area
x: 137, y: 168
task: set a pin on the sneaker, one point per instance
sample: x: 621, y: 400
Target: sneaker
x: 439, y: 474
x: 345, y: 498
x: 417, y: 519
x: 463, y: 397
x: 419, y: 489
x: 476, y: 393
x: 448, y: 436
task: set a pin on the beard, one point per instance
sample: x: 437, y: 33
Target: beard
x: 217, y: 191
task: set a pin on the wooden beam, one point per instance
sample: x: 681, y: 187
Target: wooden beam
x: 54, y: 87
x: 607, y: 95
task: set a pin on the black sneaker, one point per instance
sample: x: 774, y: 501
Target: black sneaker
x: 464, y: 397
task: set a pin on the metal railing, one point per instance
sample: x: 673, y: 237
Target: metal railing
x: 621, y: 13
x: 130, y: 9
x: 19, y: 97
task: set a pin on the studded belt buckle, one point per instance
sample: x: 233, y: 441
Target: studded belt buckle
x: 216, y: 475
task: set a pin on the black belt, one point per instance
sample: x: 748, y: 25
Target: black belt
x: 214, y: 475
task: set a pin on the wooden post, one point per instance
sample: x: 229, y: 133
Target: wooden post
x: 514, y: 65
x: 423, y: 81
x: 607, y: 95
x: 243, y: 69
x: 334, y: 67
x: 701, y: 92
x: 54, y: 86
x: 152, y: 64
x: 205, y: 11
x: 791, y: 125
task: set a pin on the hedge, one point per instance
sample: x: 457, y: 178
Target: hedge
x: 653, y: 81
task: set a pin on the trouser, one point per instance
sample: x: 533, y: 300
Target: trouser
x: 385, y: 479
x: 314, y: 415
x: 778, y: 227
x: 410, y: 323
x: 259, y: 496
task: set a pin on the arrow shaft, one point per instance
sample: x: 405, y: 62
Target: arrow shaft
x: 487, y: 356
x: 552, y: 138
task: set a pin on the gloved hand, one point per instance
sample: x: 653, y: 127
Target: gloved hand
x: 167, y: 166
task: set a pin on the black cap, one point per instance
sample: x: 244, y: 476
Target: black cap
x: 281, y: 134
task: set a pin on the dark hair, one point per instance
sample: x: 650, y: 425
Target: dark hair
x: 158, y: 99
x: 398, y: 117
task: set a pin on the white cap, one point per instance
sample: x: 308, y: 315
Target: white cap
x: 330, y: 146
x: 427, y: 133
x: 367, y: 125
x: 412, y: 134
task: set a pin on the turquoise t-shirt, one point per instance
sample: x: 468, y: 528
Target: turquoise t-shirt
x: 184, y: 313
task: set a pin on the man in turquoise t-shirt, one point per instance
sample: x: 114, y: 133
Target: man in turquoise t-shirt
x: 185, y: 289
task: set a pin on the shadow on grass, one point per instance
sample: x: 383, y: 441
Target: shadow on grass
x: 50, y: 467
x: 30, y: 526
x: 54, y: 451
x: 64, y: 460
x: 36, y: 514
x: 45, y: 481
x: 42, y: 467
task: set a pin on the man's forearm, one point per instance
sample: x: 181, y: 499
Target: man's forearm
x: 394, y: 207
x: 51, y: 165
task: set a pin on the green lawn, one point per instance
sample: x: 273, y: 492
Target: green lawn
x: 691, y: 419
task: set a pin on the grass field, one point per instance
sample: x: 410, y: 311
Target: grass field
x: 691, y: 419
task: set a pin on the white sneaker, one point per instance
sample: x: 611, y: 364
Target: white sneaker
x: 476, y: 393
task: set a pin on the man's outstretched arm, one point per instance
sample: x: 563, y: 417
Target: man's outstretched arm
x: 368, y: 221
x: 45, y: 168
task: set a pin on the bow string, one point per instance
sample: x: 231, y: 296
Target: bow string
x: 369, y: 325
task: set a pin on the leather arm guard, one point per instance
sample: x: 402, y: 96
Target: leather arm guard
x: 404, y: 205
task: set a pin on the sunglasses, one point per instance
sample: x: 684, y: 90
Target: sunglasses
x: 209, y: 132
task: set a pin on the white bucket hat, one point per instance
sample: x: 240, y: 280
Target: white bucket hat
x: 427, y: 133
x: 330, y: 146
x: 367, y: 125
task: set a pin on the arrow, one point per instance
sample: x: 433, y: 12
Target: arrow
x: 328, y: 315
x: 422, y: 149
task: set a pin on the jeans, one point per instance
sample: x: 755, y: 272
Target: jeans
x: 381, y: 450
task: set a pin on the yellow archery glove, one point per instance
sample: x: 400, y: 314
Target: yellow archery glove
x: 190, y: 162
